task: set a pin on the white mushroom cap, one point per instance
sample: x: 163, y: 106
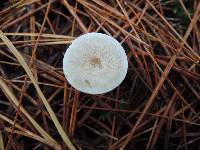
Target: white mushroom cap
x: 95, y: 63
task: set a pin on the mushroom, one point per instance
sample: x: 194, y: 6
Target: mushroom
x: 95, y: 63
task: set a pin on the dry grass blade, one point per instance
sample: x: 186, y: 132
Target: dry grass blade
x: 42, y: 35
x: 34, y: 137
x: 1, y: 141
x: 28, y: 133
x: 40, y: 94
x: 6, y: 119
x: 14, y: 100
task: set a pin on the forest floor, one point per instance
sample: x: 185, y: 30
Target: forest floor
x: 157, y: 105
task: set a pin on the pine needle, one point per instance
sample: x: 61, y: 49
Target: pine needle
x: 40, y: 94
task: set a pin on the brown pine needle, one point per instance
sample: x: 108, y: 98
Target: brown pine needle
x: 40, y: 94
